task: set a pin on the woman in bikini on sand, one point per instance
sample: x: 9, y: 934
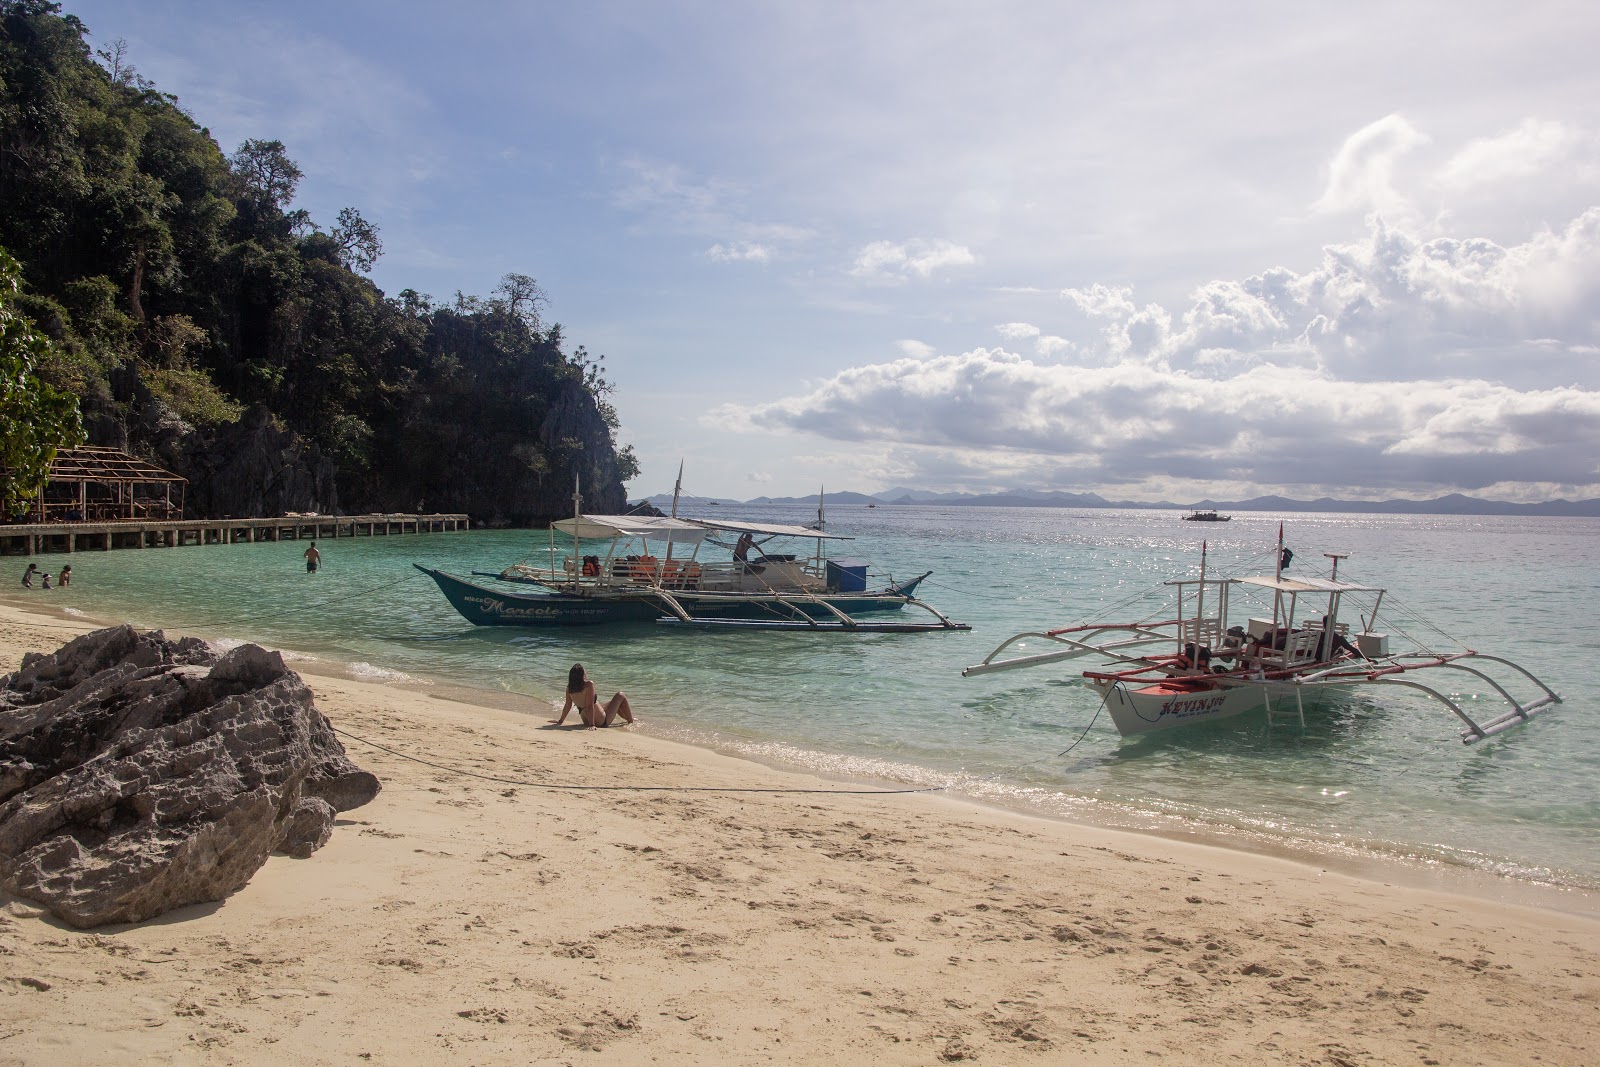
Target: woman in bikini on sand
x: 581, y: 695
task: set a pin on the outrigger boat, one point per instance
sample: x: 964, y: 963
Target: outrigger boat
x: 652, y: 570
x: 1206, y: 516
x: 1197, y: 667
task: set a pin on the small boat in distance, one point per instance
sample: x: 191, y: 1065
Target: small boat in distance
x: 1206, y: 516
x: 1289, y: 649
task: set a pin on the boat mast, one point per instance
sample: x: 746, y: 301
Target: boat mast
x: 577, y: 526
x: 677, y: 488
x: 1333, y: 597
x: 1277, y: 594
x: 821, y: 525
x: 1199, y: 604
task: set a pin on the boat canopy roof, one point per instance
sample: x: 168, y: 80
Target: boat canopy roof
x: 768, y: 529
x: 1307, y: 585
x: 649, y: 527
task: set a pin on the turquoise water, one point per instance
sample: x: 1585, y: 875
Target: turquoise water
x: 1377, y: 776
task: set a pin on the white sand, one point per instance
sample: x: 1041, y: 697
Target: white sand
x: 462, y: 920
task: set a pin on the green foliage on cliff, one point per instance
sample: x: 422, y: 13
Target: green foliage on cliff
x: 35, y: 418
x: 181, y: 291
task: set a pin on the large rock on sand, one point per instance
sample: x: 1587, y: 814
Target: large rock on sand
x: 139, y: 774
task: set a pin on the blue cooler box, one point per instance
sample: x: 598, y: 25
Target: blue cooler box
x: 847, y: 575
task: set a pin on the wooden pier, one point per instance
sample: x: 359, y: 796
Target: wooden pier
x: 34, y: 538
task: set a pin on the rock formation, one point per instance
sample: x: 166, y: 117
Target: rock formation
x: 139, y: 774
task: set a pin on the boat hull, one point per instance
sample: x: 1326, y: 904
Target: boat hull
x: 491, y: 607
x: 483, y: 606
x: 1143, y: 707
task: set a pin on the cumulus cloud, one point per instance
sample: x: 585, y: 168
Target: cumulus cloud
x: 1361, y: 175
x: 1395, y: 365
x: 886, y: 261
x: 1044, y: 344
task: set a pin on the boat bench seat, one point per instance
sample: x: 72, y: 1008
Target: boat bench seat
x: 1299, y: 647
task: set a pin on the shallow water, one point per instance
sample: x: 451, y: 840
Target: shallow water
x: 1382, y: 775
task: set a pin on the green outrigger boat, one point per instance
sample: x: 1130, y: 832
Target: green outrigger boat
x: 657, y: 569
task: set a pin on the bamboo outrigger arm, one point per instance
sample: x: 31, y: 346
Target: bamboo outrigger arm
x: 1519, y: 713
x: 1073, y: 649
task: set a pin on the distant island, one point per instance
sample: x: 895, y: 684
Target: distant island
x: 1452, y: 504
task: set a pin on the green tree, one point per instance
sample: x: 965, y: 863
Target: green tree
x: 359, y: 247
x: 269, y: 175
x: 35, y: 419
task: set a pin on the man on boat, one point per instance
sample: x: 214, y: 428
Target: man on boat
x: 741, y: 551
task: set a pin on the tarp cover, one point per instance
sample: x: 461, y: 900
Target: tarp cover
x: 768, y: 529
x: 650, y: 527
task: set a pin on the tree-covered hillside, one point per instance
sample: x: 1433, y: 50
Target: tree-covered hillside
x: 207, y: 324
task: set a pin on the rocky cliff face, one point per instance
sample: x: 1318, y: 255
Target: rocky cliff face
x: 139, y: 774
x: 254, y: 467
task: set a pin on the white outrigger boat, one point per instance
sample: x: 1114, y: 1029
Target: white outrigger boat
x: 1197, y: 667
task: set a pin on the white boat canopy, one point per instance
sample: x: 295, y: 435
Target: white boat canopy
x: 768, y: 529
x: 1307, y: 585
x: 649, y: 527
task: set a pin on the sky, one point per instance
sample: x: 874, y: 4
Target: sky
x: 1154, y: 250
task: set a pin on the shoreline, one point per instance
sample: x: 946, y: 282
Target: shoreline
x: 481, y: 914
x: 1372, y: 866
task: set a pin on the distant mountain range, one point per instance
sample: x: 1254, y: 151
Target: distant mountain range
x: 1453, y: 504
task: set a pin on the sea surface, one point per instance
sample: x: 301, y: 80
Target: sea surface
x: 1380, y: 780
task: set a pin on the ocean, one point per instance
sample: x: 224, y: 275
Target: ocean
x: 1376, y: 782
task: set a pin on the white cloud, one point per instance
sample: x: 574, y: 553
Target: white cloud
x: 915, y: 349
x: 739, y: 252
x: 1396, y: 365
x: 891, y: 262
x: 1361, y: 175
x: 1050, y: 345
x: 1532, y: 147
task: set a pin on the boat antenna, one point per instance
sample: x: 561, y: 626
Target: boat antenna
x: 1199, y: 606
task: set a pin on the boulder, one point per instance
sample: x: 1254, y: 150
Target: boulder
x: 139, y: 774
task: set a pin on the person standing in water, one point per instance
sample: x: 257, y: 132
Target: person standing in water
x: 27, y: 575
x: 581, y: 695
x: 64, y: 579
x: 313, y: 559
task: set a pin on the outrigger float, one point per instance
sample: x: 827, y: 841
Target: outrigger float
x: 1197, y: 667
x: 652, y: 570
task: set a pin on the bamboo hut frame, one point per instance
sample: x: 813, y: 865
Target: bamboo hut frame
x: 106, y: 484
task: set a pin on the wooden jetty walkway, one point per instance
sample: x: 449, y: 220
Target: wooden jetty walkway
x: 33, y: 538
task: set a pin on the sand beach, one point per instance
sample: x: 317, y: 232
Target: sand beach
x: 502, y: 903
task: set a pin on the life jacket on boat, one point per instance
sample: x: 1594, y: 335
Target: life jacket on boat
x: 591, y: 566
